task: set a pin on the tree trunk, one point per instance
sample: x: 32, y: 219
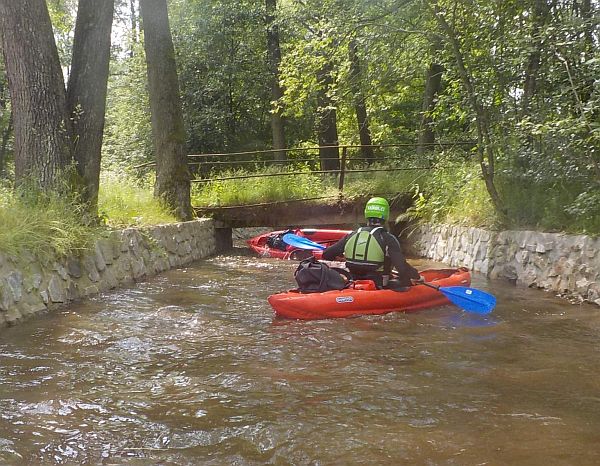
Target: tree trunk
x: 327, y: 122
x: 485, y: 152
x: 86, y: 92
x: 541, y: 10
x: 8, y: 129
x: 360, y: 104
x: 433, y: 85
x: 274, y: 57
x: 172, y: 173
x: 134, y: 27
x: 37, y: 92
x: 590, y: 25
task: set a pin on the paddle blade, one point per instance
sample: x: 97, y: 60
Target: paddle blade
x: 470, y: 299
x: 300, y: 242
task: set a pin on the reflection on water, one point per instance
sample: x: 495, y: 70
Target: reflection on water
x: 192, y: 368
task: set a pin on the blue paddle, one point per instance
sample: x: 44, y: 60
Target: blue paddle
x: 469, y: 299
x: 300, y: 242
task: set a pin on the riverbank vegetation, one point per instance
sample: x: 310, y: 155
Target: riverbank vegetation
x: 49, y: 225
x: 489, y: 114
x: 43, y: 224
x: 125, y: 203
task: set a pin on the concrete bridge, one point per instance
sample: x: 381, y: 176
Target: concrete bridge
x: 316, y: 212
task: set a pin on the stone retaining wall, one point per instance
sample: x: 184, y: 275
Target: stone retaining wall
x: 568, y: 265
x: 29, y: 285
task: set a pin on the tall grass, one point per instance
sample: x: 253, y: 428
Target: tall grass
x: 458, y: 195
x: 304, y: 185
x: 256, y: 190
x: 455, y: 194
x: 552, y: 205
x: 123, y: 203
x: 45, y: 225
x: 51, y: 225
x: 382, y: 182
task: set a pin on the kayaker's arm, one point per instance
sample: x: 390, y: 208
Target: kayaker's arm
x: 335, y: 250
x: 406, y: 272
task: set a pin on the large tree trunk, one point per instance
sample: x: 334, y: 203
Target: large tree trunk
x: 37, y: 92
x: 540, y: 13
x: 327, y: 122
x: 172, y: 173
x: 86, y: 92
x: 433, y: 85
x: 360, y: 104
x: 274, y: 57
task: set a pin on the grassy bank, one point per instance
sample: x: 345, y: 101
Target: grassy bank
x: 458, y: 194
x: 43, y: 225
x: 123, y: 203
x: 50, y: 226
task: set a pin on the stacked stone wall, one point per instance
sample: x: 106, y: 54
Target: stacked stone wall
x: 29, y: 285
x: 568, y: 265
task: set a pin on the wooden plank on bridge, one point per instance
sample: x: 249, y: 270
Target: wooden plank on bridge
x: 304, y: 213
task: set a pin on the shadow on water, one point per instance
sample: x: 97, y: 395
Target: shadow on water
x: 191, y: 367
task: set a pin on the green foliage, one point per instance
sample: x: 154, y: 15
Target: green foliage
x: 392, y: 62
x: 453, y: 194
x: 46, y: 225
x: 63, y: 14
x: 545, y: 144
x: 257, y: 190
x: 381, y: 182
x: 127, y: 132
x: 551, y: 206
x: 221, y: 58
x: 585, y: 211
x: 125, y: 202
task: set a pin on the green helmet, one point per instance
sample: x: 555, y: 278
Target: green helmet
x: 377, y: 207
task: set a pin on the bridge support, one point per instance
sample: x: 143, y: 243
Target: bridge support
x: 223, y: 236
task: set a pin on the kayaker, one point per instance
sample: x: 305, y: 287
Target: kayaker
x: 371, y: 251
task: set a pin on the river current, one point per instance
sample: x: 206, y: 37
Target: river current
x: 191, y: 367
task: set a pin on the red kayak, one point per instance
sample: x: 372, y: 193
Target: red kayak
x: 363, y: 298
x: 271, y: 244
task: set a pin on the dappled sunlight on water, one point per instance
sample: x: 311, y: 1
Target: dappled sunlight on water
x: 191, y: 367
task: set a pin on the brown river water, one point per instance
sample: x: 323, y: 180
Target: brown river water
x: 191, y: 368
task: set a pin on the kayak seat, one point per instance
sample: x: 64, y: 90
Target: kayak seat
x: 395, y: 285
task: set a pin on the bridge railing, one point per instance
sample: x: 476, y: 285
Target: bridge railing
x: 307, y: 161
x: 208, y: 166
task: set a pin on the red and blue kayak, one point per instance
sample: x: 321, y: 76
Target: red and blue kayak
x: 363, y: 298
x: 271, y: 244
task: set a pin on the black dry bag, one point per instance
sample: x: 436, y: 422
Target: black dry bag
x: 313, y: 276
